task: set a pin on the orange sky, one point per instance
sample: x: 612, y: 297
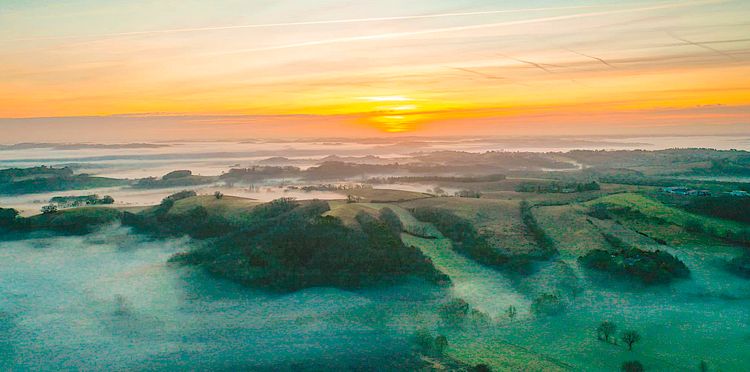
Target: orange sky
x: 318, y: 68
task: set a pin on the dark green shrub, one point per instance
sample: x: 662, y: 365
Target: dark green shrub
x: 632, y: 366
x: 650, y: 267
x: 8, y: 216
x: 454, y: 312
x: 390, y: 218
x: 543, y: 240
x: 599, y: 211
x: 547, y: 304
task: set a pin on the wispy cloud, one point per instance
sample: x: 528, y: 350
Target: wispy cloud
x: 396, y: 35
x: 702, y: 45
x: 312, y: 23
x: 591, y: 57
x: 435, y: 62
x: 475, y: 72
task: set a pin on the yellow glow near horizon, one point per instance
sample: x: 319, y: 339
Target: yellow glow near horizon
x: 379, y: 69
x: 386, y: 99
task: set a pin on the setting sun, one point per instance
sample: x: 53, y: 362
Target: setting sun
x: 429, y: 68
x: 390, y: 185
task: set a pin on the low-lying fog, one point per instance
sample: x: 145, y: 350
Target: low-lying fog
x: 30, y: 204
x: 109, y: 301
x: 139, y: 160
x: 117, y: 305
x: 212, y: 158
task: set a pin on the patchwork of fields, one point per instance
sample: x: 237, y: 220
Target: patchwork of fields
x: 677, y: 321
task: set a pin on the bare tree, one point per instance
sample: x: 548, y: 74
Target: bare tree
x: 630, y: 337
x: 511, y: 312
x: 606, y: 328
x: 122, y: 307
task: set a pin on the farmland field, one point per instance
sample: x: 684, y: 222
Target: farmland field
x: 503, y: 276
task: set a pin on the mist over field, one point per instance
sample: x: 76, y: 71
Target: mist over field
x: 117, y: 305
x: 154, y: 278
x: 140, y: 160
x: 337, y: 185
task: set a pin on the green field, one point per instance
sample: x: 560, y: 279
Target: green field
x: 232, y: 208
x: 670, y: 223
x: 679, y: 322
x: 484, y: 288
x: 383, y: 195
x: 498, y: 220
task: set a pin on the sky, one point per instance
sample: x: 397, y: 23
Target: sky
x: 108, y: 70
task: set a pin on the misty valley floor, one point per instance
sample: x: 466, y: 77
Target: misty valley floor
x: 142, y: 284
x: 116, y: 305
x: 339, y: 185
x: 62, y: 297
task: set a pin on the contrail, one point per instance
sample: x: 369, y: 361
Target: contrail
x: 475, y: 72
x: 394, y: 35
x: 308, y: 23
x: 702, y: 45
x: 723, y: 41
x: 534, y: 64
x: 592, y: 57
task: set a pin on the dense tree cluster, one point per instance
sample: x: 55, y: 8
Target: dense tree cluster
x: 728, y: 207
x: 178, y: 178
x: 557, y: 187
x: 49, y: 209
x: 177, y: 174
x: 16, y: 181
x: 739, y: 166
x: 331, y: 187
x: 77, y: 201
x: 668, y: 157
x: 195, y: 222
x: 650, y: 267
x: 288, y: 246
x: 75, y: 221
x: 184, y: 194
